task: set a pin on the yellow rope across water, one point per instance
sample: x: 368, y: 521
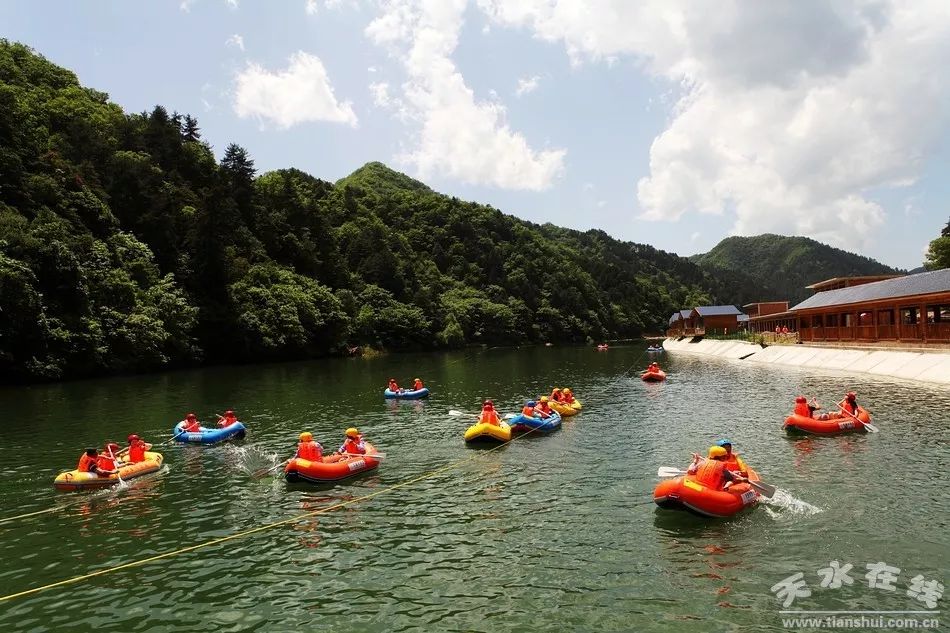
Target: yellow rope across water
x: 261, y: 528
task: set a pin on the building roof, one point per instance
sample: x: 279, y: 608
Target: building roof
x: 676, y: 317
x: 930, y: 282
x: 708, y: 311
x: 839, y: 282
x: 684, y: 314
x: 762, y: 303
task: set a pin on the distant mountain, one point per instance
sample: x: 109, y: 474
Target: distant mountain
x: 774, y: 267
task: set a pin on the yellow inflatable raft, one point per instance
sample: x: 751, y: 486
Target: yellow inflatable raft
x: 75, y: 480
x: 484, y: 432
x: 565, y: 410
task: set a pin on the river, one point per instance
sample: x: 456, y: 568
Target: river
x: 555, y: 533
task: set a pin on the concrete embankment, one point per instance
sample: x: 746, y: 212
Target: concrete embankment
x: 924, y: 366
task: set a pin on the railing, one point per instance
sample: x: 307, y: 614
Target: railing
x: 938, y: 332
x: 887, y: 331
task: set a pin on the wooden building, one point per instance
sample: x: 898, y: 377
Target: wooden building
x: 911, y: 308
x: 715, y: 319
x: 681, y: 324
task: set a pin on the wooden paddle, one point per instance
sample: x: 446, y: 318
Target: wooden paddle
x: 455, y: 413
x: 260, y: 473
x: 870, y: 427
x: 766, y: 490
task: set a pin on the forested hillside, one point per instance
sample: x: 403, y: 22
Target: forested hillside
x: 126, y: 246
x: 774, y: 267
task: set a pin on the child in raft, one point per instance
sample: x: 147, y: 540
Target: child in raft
x: 417, y: 385
x: 394, y: 386
x: 308, y: 449
x: 489, y: 415
x: 712, y: 471
x: 227, y: 419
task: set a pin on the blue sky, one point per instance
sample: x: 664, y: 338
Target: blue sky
x: 655, y: 121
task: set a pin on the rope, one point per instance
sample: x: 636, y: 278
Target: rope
x: 260, y: 528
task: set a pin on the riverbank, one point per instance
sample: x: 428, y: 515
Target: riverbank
x: 924, y: 366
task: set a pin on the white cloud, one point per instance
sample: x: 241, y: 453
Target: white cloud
x: 527, y: 84
x: 232, y: 4
x: 380, y: 92
x: 299, y: 94
x: 458, y: 136
x: 601, y: 204
x: 787, y: 114
x: 185, y: 5
x: 312, y: 7
x: 235, y: 40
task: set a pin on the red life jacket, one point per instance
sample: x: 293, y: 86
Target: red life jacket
x: 528, y: 412
x: 736, y: 465
x: 137, y: 451
x: 311, y: 451
x: 556, y: 396
x: 850, y: 408
x: 192, y: 426
x: 228, y: 420
x: 417, y: 385
x: 489, y: 416
x: 85, y: 462
x: 104, y: 462
x: 801, y: 408
x: 545, y: 409
x: 568, y: 398
x: 710, y: 473
x: 353, y: 446
x: 393, y: 386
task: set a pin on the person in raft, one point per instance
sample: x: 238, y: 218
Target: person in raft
x: 87, y: 461
x: 850, y: 403
x: 528, y: 409
x: 567, y: 396
x: 227, y: 419
x: 653, y: 368
x: 733, y: 462
x: 394, y: 386
x: 105, y: 462
x: 712, y: 471
x: 353, y: 444
x: 489, y: 415
x: 417, y: 385
x: 544, y: 407
x: 557, y: 395
x: 135, y: 451
x: 191, y: 424
x: 308, y: 449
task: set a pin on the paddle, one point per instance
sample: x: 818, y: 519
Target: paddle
x: 870, y: 427
x: 455, y: 413
x: 766, y: 490
x: 373, y: 455
x: 261, y: 472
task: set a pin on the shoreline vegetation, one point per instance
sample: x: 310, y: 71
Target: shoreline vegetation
x: 126, y: 247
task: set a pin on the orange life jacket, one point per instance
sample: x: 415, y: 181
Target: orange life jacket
x: 353, y: 446
x: 736, y: 465
x: 568, y: 398
x: 545, y: 409
x: 192, y: 427
x: 104, y: 462
x: 85, y: 462
x: 556, y: 395
x: 393, y: 386
x: 710, y: 473
x: 311, y: 451
x: 801, y: 408
x: 137, y: 451
x: 528, y: 412
x: 489, y: 416
x: 228, y: 420
x: 417, y: 385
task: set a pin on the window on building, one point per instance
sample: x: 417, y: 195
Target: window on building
x: 910, y: 316
x: 938, y: 314
x: 847, y: 319
x: 831, y: 320
x: 885, y: 317
x: 865, y: 317
x: 816, y: 321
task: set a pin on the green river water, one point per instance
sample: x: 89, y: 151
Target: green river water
x: 555, y: 533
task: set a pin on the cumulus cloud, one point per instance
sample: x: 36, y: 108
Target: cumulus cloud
x: 380, y: 92
x: 235, y: 40
x: 300, y: 93
x: 527, y: 84
x: 788, y: 113
x: 312, y: 7
x: 459, y: 136
x: 232, y: 4
x: 185, y: 6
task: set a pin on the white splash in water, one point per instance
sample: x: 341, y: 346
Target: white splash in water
x: 785, y: 502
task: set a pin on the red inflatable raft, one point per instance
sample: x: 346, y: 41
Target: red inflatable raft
x: 685, y: 493
x: 836, y: 423
x: 339, y: 467
x: 653, y: 376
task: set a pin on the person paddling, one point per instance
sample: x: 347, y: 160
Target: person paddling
x: 308, y: 449
x: 87, y: 461
x: 353, y: 444
x: 136, y: 449
x: 227, y: 419
x: 567, y: 396
x: 417, y: 385
x: 105, y: 462
x: 850, y: 403
x: 544, y: 407
x: 394, y: 386
x: 191, y: 424
x: 712, y: 471
x: 733, y: 462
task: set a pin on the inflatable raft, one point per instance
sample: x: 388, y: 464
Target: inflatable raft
x: 685, y: 493
x: 406, y: 394
x: 340, y: 467
x: 523, y: 424
x: 654, y: 349
x: 565, y: 410
x: 484, y: 432
x: 75, y: 480
x: 653, y: 376
x: 210, y: 436
x: 836, y: 423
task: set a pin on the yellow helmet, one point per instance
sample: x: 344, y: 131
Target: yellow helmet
x: 544, y: 398
x: 306, y: 436
x: 354, y: 432
x: 567, y: 390
x: 716, y: 451
x: 419, y: 379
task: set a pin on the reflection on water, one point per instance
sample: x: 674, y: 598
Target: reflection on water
x: 566, y: 519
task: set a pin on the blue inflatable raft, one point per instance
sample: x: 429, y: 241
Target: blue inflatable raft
x: 523, y: 424
x: 209, y: 436
x: 407, y: 394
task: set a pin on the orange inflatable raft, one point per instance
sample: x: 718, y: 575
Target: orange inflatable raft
x: 653, y: 376
x: 836, y: 423
x: 338, y: 467
x: 685, y: 493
